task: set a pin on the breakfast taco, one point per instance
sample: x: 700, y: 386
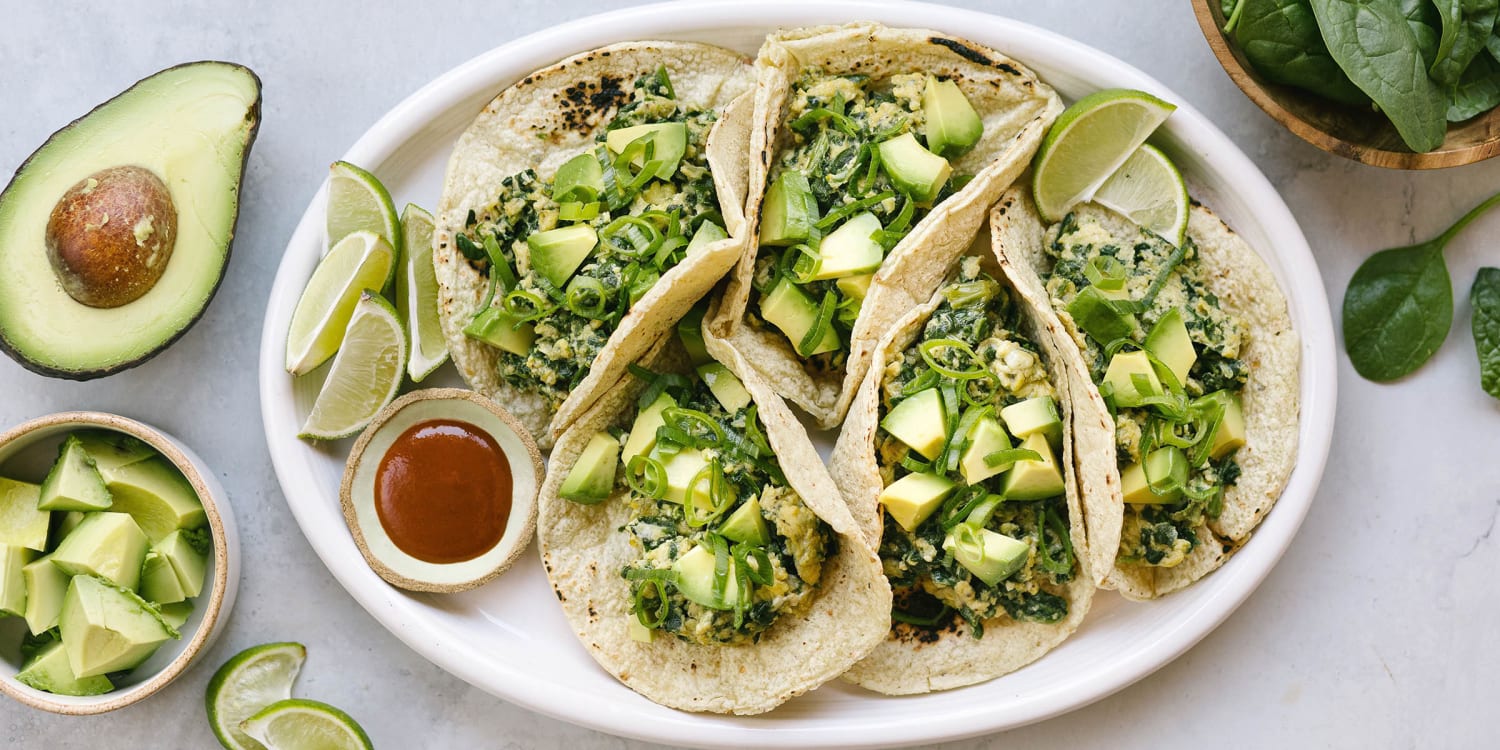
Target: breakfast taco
x: 583, y: 211
x: 1185, y: 372
x: 698, y: 547
x: 955, y: 460
x: 874, y: 156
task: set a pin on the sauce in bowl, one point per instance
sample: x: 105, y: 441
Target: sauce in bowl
x: 443, y: 491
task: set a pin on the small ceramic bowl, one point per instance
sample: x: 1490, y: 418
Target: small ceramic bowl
x: 1364, y: 136
x: 357, y: 491
x: 26, y: 452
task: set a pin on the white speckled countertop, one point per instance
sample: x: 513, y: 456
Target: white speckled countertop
x: 1376, y: 630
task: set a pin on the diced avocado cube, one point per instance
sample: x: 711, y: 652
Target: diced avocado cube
x: 74, y: 482
x: 986, y: 438
x: 638, y: 632
x: 912, y: 498
x: 592, y: 477
x: 13, y: 561
x: 695, y: 579
x: 1037, y: 414
x: 48, y: 670
x: 159, y: 583
x: 46, y: 585
x: 557, y: 253
x: 176, y: 614
x: 791, y: 310
x: 991, y: 556
x: 158, y: 496
x: 682, y: 468
x: 21, y: 523
x: 108, y: 545
x: 66, y: 522
x: 789, y: 211
x: 578, y: 179
x: 707, y: 234
x: 107, y: 629
x: 113, y: 450
x: 919, y: 421
x: 690, y: 331
x: 1169, y: 342
x: 915, y: 170
x: 190, y: 565
x: 1165, y: 463
x: 1093, y: 315
x: 855, y: 287
x: 1231, y: 433
x: 746, y: 524
x: 851, y: 249
x: 725, y: 386
x: 1034, y: 480
x: 1124, y: 369
x: 668, y: 144
x: 953, y: 127
x: 643, y: 432
x: 500, y: 329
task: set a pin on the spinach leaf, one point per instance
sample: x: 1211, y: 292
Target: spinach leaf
x: 1478, y: 90
x: 1375, y: 46
x: 1486, y: 299
x: 1423, y: 19
x: 1467, y: 25
x: 1399, y: 305
x: 1493, y: 45
x: 1281, y: 40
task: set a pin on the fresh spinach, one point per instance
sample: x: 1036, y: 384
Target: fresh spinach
x: 1399, y: 305
x: 1374, y: 44
x: 1485, y: 297
x: 1493, y: 45
x: 1423, y: 20
x: 1478, y: 91
x: 1281, y: 40
x: 1467, y: 25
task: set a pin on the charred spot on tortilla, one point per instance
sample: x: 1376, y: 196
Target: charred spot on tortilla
x: 585, y: 102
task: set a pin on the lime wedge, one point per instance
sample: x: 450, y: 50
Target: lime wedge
x: 1149, y: 191
x: 253, y: 679
x: 365, y: 375
x: 416, y: 294
x: 1088, y: 143
x: 360, y: 261
x: 297, y: 724
x: 357, y: 202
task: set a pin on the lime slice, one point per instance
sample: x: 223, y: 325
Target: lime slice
x: 297, y: 724
x: 416, y: 294
x: 360, y: 261
x: 253, y: 679
x: 357, y: 202
x: 1088, y: 143
x: 1149, y: 190
x: 365, y: 375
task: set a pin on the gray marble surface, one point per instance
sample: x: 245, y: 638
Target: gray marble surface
x: 1376, y: 629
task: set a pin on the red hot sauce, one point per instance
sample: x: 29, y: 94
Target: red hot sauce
x: 443, y: 491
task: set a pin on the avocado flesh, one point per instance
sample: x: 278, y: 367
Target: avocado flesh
x: 557, y: 253
x: 791, y: 310
x: 912, y: 498
x: 500, y: 329
x: 707, y: 234
x: 727, y: 388
x: 74, y: 482
x: 107, y: 628
x: 915, y: 170
x: 49, y: 671
x: 851, y: 249
x: 593, y: 475
x: 112, y: 451
x: 192, y: 126
x: 21, y: 524
x: 46, y: 585
x: 176, y: 614
x: 999, y: 556
x: 1170, y: 343
x: 789, y: 211
x: 1035, y: 414
x: 190, y: 565
x: 681, y: 470
x: 690, y: 330
x: 855, y: 287
x: 1162, y: 463
x: 159, y: 583
x: 1231, y: 433
x: 158, y: 496
x: 988, y: 437
x: 1120, y: 375
x: 746, y: 524
x: 108, y: 545
x: 578, y: 179
x: 953, y: 127
x: 643, y: 431
x: 918, y: 421
x: 1034, y: 480
x: 695, y: 579
x: 13, y: 561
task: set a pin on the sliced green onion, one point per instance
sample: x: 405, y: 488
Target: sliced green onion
x: 960, y: 505
x: 805, y: 263
x: 914, y: 465
x: 819, y: 328
x: 1105, y: 272
x: 646, y: 476
x: 966, y: 540
x: 1052, y: 522
x: 467, y: 247
x: 578, y: 211
x: 849, y: 209
x: 586, y: 297
x: 499, y: 266
x: 920, y: 383
x: 526, y: 305
x: 665, y: 249
x: 631, y: 236
x: 929, y: 347
x: 650, y: 616
x: 988, y: 388
x: 697, y: 425
x: 1010, y: 456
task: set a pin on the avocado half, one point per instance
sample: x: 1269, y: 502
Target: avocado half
x: 192, y: 126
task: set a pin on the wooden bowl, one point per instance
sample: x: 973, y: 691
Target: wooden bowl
x: 26, y: 451
x: 1353, y: 133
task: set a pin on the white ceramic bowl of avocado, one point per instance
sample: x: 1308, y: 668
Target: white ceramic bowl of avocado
x: 118, y: 561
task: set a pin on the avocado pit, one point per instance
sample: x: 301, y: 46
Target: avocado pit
x: 110, y: 236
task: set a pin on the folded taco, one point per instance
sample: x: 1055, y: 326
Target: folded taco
x: 698, y: 547
x: 583, y: 211
x: 869, y: 142
x: 1185, y: 367
x: 956, y: 462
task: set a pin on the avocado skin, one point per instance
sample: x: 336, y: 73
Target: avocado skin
x: 253, y: 116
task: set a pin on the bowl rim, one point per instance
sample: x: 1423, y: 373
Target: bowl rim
x: 356, y: 457
x: 1254, y: 88
x: 212, y: 609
